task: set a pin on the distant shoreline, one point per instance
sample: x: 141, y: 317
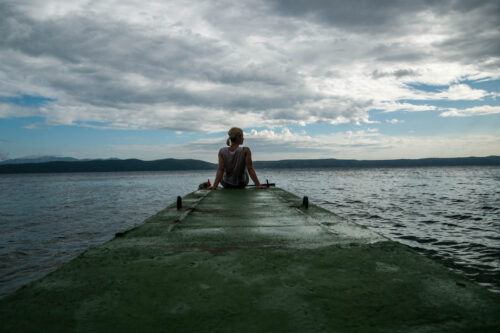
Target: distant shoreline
x: 190, y: 164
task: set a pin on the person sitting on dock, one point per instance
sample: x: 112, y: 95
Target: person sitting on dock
x: 235, y: 163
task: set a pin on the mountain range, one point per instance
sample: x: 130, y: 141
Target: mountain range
x: 43, y: 159
x: 49, y: 164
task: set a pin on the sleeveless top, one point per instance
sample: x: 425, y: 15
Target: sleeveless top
x: 235, y: 169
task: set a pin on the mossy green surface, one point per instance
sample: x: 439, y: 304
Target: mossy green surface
x: 250, y: 261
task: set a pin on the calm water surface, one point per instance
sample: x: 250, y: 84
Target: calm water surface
x: 448, y: 214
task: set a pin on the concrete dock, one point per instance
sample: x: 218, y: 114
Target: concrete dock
x: 250, y: 261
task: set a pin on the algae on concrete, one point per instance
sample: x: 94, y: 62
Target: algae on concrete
x: 247, y: 261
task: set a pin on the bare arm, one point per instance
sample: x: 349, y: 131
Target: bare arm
x: 220, y: 172
x: 251, y: 171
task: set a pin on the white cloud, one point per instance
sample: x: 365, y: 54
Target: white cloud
x: 367, y: 144
x: 8, y: 110
x: 474, y: 111
x: 396, y: 106
x: 394, y: 121
x: 284, y: 144
x: 195, y: 66
x: 461, y: 92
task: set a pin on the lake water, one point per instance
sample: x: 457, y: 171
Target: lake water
x: 448, y: 214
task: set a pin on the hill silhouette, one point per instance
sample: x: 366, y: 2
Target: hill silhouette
x: 168, y: 164
x: 171, y: 164
x: 399, y: 163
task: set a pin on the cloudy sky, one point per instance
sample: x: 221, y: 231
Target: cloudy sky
x: 304, y: 79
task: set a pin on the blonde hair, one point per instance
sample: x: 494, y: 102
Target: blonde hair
x: 233, y: 133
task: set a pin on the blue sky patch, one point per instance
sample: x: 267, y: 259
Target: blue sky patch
x: 27, y: 100
x: 427, y: 87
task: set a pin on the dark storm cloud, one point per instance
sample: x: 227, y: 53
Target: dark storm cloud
x: 389, y: 15
x: 397, y: 73
x: 360, y: 16
x: 477, y: 33
x: 94, y: 53
x: 473, y: 46
x: 399, y: 52
x: 474, y: 25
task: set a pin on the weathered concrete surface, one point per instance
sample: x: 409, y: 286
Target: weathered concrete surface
x: 250, y: 260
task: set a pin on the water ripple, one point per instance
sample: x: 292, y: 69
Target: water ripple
x: 438, y: 211
x: 447, y: 214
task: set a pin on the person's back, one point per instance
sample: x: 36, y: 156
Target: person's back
x: 235, y: 163
x: 235, y: 171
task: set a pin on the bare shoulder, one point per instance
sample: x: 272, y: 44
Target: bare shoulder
x: 246, y: 149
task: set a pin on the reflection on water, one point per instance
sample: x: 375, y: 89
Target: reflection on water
x: 449, y: 214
